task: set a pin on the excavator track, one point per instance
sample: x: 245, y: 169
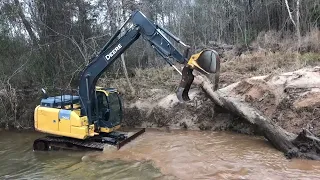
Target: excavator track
x: 52, y: 142
x: 96, y: 143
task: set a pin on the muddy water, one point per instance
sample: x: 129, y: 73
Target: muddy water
x: 156, y: 155
x: 18, y: 161
x: 213, y: 155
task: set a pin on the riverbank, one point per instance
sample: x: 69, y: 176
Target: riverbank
x: 284, y: 94
x: 153, y: 103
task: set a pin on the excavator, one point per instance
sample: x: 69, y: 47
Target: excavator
x: 92, y: 118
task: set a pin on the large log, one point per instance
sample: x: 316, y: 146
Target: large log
x: 304, y: 145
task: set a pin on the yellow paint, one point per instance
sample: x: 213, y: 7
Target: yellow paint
x: 108, y: 130
x: 104, y: 91
x: 91, y: 130
x: 76, y: 120
x: 36, y: 117
x: 64, y: 125
x: 193, y: 62
x: 84, y: 121
x: 77, y: 111
x: 76, y: 132
x: 82, y: 132
x: 75, y: 106
x: 46, y: 119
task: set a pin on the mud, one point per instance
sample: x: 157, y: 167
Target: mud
x: 292, y: 100
x: 168, y: 113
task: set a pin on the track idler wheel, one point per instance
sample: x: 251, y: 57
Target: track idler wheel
x: 39, y: 145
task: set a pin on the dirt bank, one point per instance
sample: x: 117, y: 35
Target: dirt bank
x: 155, y: 105
x: 164, y: 111
x: 290, y: 99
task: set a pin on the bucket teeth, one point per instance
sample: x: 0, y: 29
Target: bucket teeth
x: 185, y: 84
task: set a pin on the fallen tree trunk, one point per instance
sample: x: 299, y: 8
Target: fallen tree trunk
x: 304, y: 145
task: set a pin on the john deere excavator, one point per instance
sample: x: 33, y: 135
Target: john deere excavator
x: 91, y: 118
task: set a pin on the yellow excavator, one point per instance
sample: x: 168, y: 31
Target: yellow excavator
x: 91, y: 118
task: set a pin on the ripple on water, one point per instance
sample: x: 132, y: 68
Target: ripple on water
x: 20, y: 162
x: 207, y: 155
x: 156, y: 155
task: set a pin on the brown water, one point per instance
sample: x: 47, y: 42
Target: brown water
x: 156, y: 155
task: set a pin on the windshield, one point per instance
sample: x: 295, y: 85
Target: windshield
x: 108, y: 109
x: 115, y: 108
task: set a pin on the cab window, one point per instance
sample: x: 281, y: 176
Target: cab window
x: 115, y: 108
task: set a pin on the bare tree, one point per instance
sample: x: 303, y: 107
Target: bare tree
x: 26, y: 23
x: 296, y: 22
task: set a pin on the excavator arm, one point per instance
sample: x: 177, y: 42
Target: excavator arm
x: 113, y: 49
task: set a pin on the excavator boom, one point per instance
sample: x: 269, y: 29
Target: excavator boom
x: 205, y: 61
x: 112, y: 50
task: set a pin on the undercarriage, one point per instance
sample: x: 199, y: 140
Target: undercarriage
x: 97, y: 143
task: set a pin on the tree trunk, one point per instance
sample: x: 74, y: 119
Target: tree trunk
x: 298, y: 24
x: 26, y: 23
x: 290, y: 13
x: 125, y: 71
x: 123, y: 62
x: 305, y: 145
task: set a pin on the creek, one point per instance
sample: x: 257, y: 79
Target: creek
x: 157, y: 154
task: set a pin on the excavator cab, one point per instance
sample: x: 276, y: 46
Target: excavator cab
x: 107, y: 111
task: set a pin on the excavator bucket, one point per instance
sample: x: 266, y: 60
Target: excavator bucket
x: 206, y: 62
x: 185, y: 84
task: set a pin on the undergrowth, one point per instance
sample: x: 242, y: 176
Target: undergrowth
x: 143, y: 81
